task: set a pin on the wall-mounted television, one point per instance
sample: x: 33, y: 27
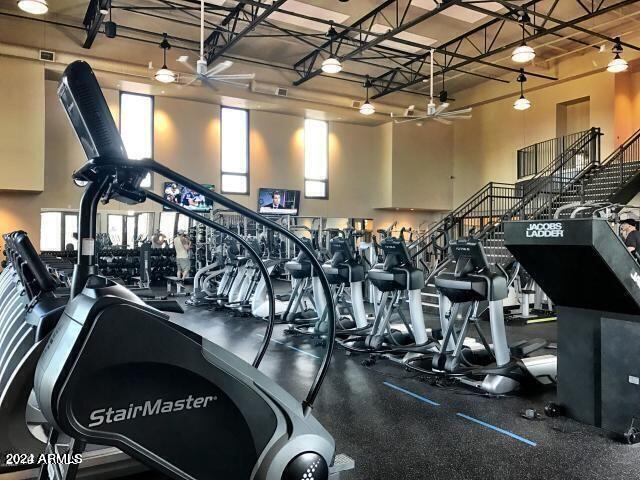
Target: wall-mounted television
x: 187, y: 198
x: 278, y: 201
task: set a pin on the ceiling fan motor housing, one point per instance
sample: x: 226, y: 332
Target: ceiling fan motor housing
x: 201, y: 66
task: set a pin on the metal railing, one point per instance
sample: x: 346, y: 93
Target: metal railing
x: 537, y: 157
x: 622, y: 164
x: 539, y: 196
x: 482, y: 214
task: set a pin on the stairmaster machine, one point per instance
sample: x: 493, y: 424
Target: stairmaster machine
x: 585, y: 268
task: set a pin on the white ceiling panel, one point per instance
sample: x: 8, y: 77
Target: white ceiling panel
x: 458, y: 12
x: 411, y: 37
x: 310, y: 11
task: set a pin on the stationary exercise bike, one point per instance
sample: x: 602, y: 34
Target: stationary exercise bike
x: 117, y: 372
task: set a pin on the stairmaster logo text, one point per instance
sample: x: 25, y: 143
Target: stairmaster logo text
x: 148, y: 408
x: 544, y: 230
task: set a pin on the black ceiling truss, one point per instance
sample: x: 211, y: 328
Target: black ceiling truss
x: 93, y: 20
x: 358, y: 42
x: 219, y: 42
x: 367, y: 39
x: 485, y: 41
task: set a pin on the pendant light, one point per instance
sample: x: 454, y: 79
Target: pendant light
x: 164, y: 75
x: 523, y: 53
x: 522, y: 103
x: 331, y: 64
x: 618, y: 64
x: 367, y: 108
x: 35, y: 7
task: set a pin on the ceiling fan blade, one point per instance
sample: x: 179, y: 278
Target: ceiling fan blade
x: 409, y: 119
x: 219, y: 68
x: 464, y: 111
x: 207, y: 83
x: 191, y: 82
x: 442, y: 120
x: 235, y: 84
x: 188, y: 65
x: 440, y: 108
x: 236, y: 76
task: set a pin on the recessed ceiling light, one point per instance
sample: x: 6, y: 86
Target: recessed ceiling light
x: 35, y: 7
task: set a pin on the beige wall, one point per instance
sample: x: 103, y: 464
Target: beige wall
x: 22, y: 124
x: 422, y: 166
x: 187, y: 140
x: 484, y: 148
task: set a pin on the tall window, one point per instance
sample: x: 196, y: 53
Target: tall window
x: 71, y: 229
x: 144, y: 224
x: 51, y: 231
x: 136, y: 127
x: 234, y: 140
x: 115, y: 229
x: 316, y: 159
x: 168, y: 224
x: 57, y: 230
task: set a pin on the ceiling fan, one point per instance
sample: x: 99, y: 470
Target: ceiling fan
x: 434, y: 112
x: 213, y: 74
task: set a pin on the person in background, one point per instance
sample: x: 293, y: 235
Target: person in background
x: 158, y: 240
x: 631, y: 235
x: 275, y: 200
x: 172, y: 193
x: 182, y: 244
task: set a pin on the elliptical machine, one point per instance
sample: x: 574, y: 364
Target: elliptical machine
x: 346, y: 273
x: 398, y: 280
x: 497, y: 368
x: 117, y: 372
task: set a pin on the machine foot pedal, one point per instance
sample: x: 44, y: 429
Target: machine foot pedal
x: 341, y: 463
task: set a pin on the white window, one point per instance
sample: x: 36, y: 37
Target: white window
x: 316, y: 159
x: 115, y: 229
x: 50, y: 231
x: 70, y: 228
x: 131, y: 231
x: 183, y: 223
x: 136, y: 127
x: 144, y: 221
x: 234, y: 140
x: 168, y: 224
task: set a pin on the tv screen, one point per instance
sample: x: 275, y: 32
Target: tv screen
x: 187, y: 198
x: 277, y: 201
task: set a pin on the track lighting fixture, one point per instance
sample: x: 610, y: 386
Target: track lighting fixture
x: 165, y: 75
x: 618, y: 64
x: 331, y: 64
x: 523, y: 53
x: 522, y: 103
x: 35, y: 7
x: 367, y: 108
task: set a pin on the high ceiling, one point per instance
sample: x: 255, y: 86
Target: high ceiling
x: 386, y: 40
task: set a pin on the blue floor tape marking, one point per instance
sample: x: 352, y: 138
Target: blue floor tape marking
x: 289, y: 346
x: 414, y: 395
x: 498, y: 429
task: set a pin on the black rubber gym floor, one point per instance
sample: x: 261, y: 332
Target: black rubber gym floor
x: 398, y: 425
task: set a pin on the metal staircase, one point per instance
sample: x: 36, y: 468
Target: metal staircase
x: 483, y: 214
x: 576, y: 175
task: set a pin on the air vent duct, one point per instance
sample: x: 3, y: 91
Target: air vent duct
x: 356, y: 103
x: 47, y: 56
x: 282, y: 92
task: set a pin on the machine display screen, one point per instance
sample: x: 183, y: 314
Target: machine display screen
x: 276, y: 201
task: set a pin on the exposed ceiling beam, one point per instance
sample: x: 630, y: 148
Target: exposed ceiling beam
x: 400, y: 27
x: 533, y: 12
x: 220, y: 44
x: 381, y: 83
x: 93, y: 20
